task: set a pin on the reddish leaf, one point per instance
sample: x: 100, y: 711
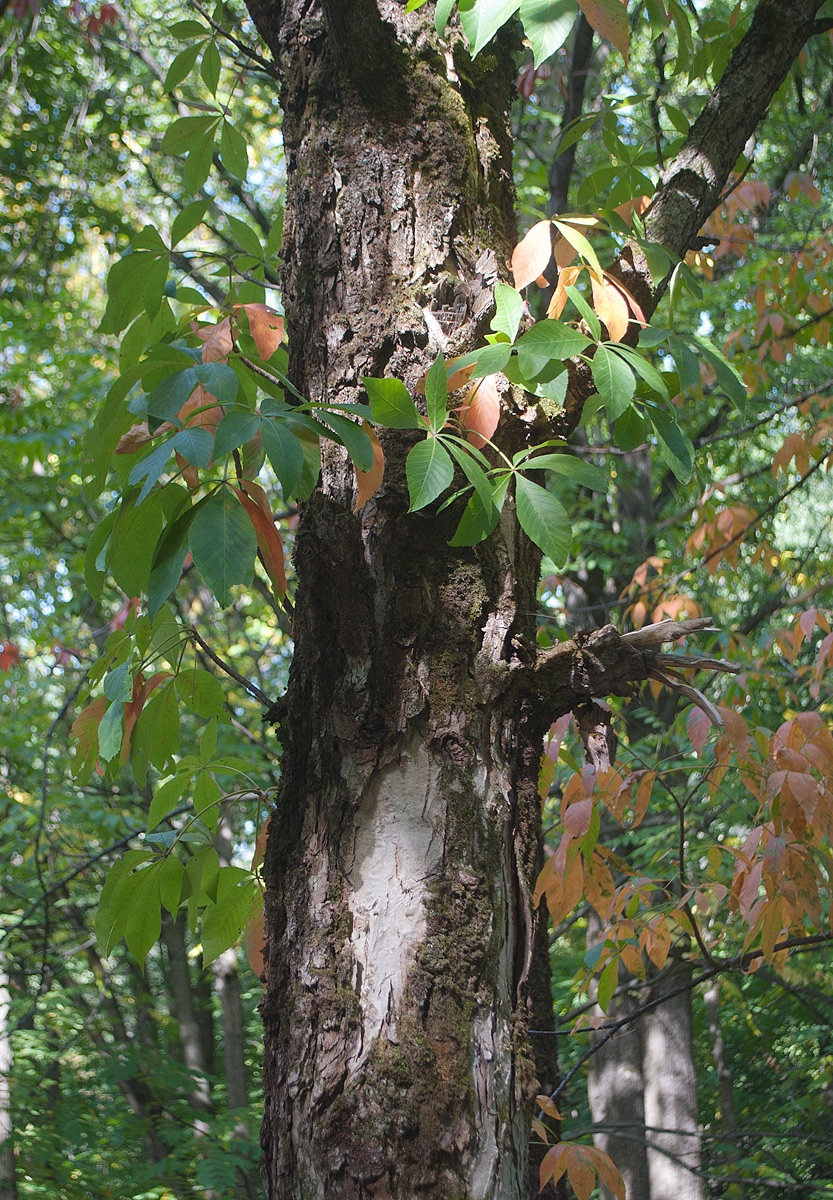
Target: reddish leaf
x: 268, y: 540
x: 580, y: 1172
x: 85, y: 726
x: 9, y: 656
x: 118, y: 621
x: 577, y: 817
x: 481, y: 412
x: 532, y: 254
x: 697, y: 726
x: 370, y: 481
x: 142, y: 689
x: 610, y: 20
x: 266, y: 327
x: 608, y: 1172
x: 136, y: 437
x: 553, y: 1164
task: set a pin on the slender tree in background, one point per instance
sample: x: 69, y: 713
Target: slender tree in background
x: 407, y: 1014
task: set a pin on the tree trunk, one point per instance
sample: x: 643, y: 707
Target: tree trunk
x: 8, y: 1176
x: 671, y: 1117
x: 615, y: 1089
x: 404, y: 848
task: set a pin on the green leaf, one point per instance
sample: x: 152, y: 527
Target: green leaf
x: 201, y: 692
x: 509, y: 307
x: 727, y: 377
x: 472, y: 471
x: 168, y: 397
x: 608, y: 983
x: 235, y: 428
x: 481, y: 19
x: 144, y: 920
x: 614, y: 381
x: 163, y: 742
x: 187, y: 221
x: 245, y: 236
x: 354, y: 438
x: 675, y: 445
x: 631, y: 429
x: 167, y: 798
x: 114, y: 903
x: 210, y: 66
x: 544, y: 520
x: 572, y: 468
x: 642, y: 367
x: 94, y: 569
x: 580, y: 244
x: 181, y: 67
x: 182, y: 133
x: 585, y: 310
x: 110, y: 731
x: 199, y: 160
x: 169, y: 557
x: 183, y: 30
x: 547, y: 25
x: 233, y: 152
x: 392, y: 405
x: 207, y: 796
x: 441, y: 15
x: 436, y: 394
x: 134, y: 276
x: 688, y: 368
x: 195, y: 445
x: 285, y: 453
x: 224, y: 921
x: 223, y: 543
x: 171, y: 877
x: 202, y: 873
x: 118, y: 684
x: 548, y: 341
x: 219, y: 380
x: 429, y: 470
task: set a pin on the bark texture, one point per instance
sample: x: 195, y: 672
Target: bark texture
x: 404, y: 849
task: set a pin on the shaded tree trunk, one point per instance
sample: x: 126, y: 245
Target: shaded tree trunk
x: 671, y: 1116
x: 8, y: 1176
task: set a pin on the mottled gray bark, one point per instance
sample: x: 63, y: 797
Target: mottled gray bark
x: 8, y: 1176
x: 671, y: 1116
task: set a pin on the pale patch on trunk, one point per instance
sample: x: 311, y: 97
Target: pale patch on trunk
x: 398, y: 843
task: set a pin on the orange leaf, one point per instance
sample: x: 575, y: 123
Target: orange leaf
x: 547, y: 1105
x: 608, y: 1172
x: 255, y: 935
x: 637, y: 205
x: 566, y: 278
x: 532, y: 255
x: 268, y: 541
x: 611, y: 306
x: 216, y: 340
x: 370, y: 481
x: 580, y: 1172
x: 610, y: 20
x: 553, y: 1164
x: 266, y: 327
x: 136, y: 437
x: 481, y: 412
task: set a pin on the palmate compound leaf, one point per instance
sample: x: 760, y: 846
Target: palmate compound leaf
x: 544, y: 520
x: 392, y: 404
x: 614, y: 381
x: 238, y: 899
x: 223, y: 544
x: 610, y: 20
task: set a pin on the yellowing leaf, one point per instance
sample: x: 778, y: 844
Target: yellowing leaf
x: 268, y: 540
x: 481, y: 412
x: 610, y: 20
x: 370, y: 481
x: 532, y: 255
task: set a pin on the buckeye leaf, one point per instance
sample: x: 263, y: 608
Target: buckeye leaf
x: 481, y: 19
x: 614, y: 381
x: 547, y: 25
x: 544, y: 520
x: 391, y: 404
x: 509, y: 308
x: 195, y: 445
x: 545, y: 342
x: 674, y: 444
x: 235, y: 428
x: 223, y: 543
x: 436, y: 394
x: 429, y: 470
x: 285, y: 454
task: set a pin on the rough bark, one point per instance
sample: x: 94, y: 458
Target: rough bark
x: 404, y: 850
x: 671, y: 1117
